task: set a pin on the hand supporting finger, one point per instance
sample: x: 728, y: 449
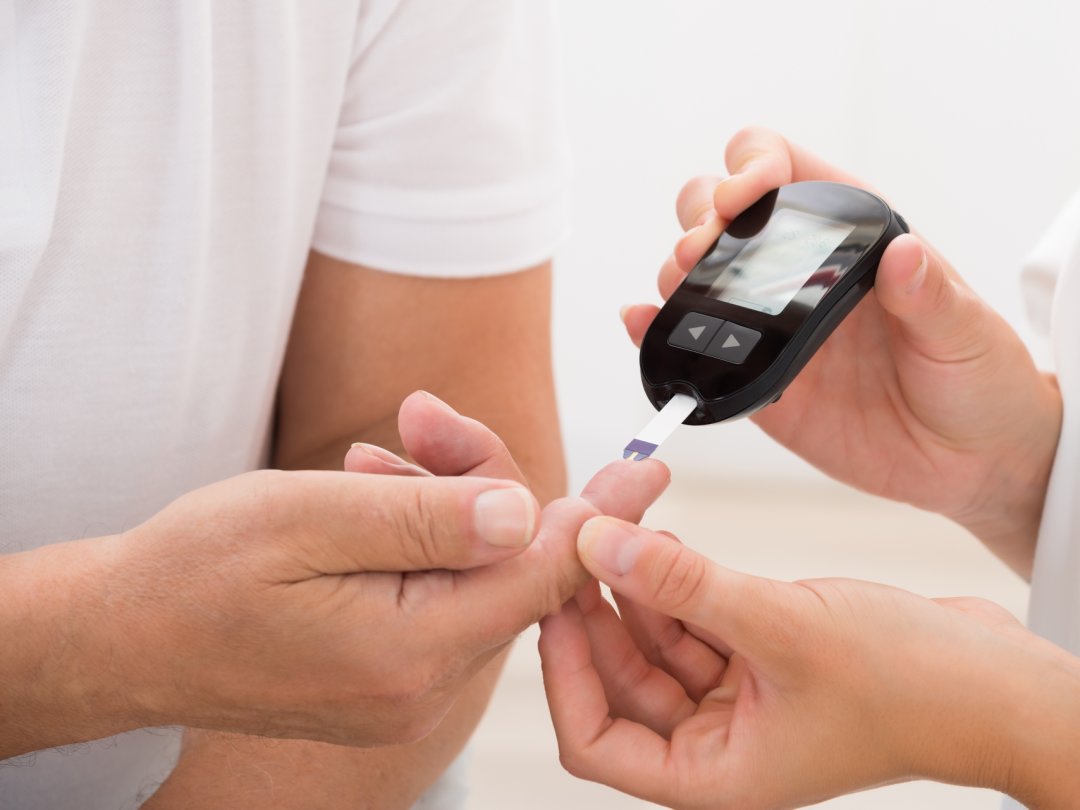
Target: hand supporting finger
x: 592, y: 745
x: 749, y: 613
x: 760, y: 160
x: 668, y: 645
x: 635, y: 689
x: 637, y: 320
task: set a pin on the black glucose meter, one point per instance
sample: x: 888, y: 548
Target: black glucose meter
x: 765, y: 297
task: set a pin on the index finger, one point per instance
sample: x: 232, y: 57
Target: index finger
x: 761, y: 160
x: 495, y: 603
x: 592, y: 745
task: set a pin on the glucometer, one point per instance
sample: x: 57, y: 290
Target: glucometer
x: 766, y: 295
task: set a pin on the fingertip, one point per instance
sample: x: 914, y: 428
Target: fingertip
x: 637, y: 319
x: 670, y: 277
x: 694, y: 201
x: 693, y: 245
x: 609, y: 547
x: 903, y: 266
x: 625, y: 489
x: 654, y: 469
x: 426, y: 398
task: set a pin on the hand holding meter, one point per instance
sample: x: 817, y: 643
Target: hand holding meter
x: 764, y: 298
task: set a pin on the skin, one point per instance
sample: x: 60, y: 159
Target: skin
x: 291, y: 773
x: 357, y: 608
x: 293, y: 622
x: 714, y: 689
x: 354, y: 325
x: 720, y: 690
x: 924, y: 394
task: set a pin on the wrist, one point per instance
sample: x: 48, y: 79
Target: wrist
x: 61, y: 675
x: 1043, y: 733
x: 1007, y: 512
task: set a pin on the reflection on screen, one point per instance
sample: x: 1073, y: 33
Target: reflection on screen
x: 768, y: 272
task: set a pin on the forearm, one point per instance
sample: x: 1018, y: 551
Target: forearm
x: 61, y: 674
x: 219, y: 771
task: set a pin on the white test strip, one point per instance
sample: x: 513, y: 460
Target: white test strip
x: 660, y: 428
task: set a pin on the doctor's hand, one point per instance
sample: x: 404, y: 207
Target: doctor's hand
x: 720, y: 690
x: 924, y: 394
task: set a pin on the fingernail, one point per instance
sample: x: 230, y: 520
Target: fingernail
x: 609, y: 544
x: 506, y: 517
x: 377, y: 452
x: 432, y: 398
x: 919, y: 275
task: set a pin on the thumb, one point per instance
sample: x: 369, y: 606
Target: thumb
x: 353, y: 522
x: 658, y: 572
x: 939, y: 316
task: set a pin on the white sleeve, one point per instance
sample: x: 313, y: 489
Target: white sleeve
x: 1043, y: 266
x: 450, y: 157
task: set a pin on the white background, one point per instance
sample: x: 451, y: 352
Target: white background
x: 966, y: 115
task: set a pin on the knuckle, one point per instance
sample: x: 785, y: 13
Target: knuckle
x: 751, y: 134
x: 679, y: 578
x: 983, y: 609
x: 573, y: 762
x: 267, y: 503
x: 418, y: 726
x: 416, y: 526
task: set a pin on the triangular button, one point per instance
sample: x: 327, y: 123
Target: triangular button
x: 731, y: 343
x: 695, y: 332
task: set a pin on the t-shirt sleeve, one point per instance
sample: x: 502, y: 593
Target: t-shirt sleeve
x: 450, y: 156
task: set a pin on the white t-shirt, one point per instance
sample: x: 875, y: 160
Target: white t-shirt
x: 165, y: 168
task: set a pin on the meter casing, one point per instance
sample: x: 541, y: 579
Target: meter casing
x: 782, y: 343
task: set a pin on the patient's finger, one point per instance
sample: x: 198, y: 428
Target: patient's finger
x: 373, y: 460
x: 499, y: 601
x: 635, y: 689
x: 625, y: 490
x: 448, y: 443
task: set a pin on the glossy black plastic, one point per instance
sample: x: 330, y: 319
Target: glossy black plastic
x: 789, y: 338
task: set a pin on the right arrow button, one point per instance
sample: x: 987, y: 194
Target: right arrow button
x: 733, y: 343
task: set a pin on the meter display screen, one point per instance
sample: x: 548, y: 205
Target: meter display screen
x: 769, y: 272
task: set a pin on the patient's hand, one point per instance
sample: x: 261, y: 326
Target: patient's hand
x: 924, y: 394
x: 763, y: 694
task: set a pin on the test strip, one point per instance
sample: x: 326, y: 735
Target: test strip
x: 662, y: 425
